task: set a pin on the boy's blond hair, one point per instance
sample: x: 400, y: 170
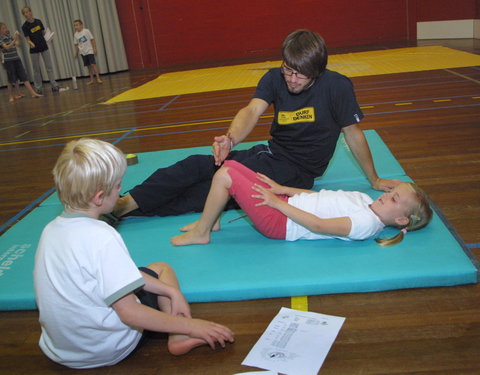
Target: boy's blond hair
x: 85, y: 167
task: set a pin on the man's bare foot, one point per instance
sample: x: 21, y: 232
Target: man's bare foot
x: 181, y: 344
x: 124, y: 205
x: 191, y: 226
x: 190, y: 238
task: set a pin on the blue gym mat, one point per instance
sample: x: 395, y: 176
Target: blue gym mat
x: 240, y: 263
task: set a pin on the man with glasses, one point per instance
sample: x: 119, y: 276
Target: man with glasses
x: 312, y: 106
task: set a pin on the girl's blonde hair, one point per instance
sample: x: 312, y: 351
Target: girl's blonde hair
x: 85, y: 167
x: 419, y: 216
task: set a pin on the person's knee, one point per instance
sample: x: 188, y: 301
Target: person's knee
x: 160, y: 267
x: 222, y: 177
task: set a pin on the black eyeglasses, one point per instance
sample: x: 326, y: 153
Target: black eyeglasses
x: 290, y: 72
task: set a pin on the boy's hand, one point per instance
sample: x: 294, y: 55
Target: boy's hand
x: 211, y: 332
x: 32, y: 45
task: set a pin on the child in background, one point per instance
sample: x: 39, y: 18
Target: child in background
x: 34, y: 32
x: 86, y: 284
x: 283, y: 212
x: 13, y: 64
x: 86, y: 45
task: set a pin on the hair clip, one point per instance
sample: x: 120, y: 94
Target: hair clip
x: 404, y: 231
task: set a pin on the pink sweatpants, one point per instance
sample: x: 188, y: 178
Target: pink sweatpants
x: 269, y: 221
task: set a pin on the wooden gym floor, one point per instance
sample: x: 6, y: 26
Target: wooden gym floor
x: 431, y: 122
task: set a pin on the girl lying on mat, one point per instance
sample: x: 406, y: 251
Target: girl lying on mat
x: 282, y: 212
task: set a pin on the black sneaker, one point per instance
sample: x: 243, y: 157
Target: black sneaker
x: 55, y: 88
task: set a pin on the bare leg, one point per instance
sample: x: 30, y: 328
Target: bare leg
x: 95, y: 71
x: 216, y: 201
x: 31, y: 90
x: 124, y: 205
x: 90, y: 71
x: 11, y: 95
x: 177, y: 344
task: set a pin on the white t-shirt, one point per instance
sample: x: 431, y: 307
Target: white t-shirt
x: 328, y: 204
x: 82, y: 266
x: 84, y: 41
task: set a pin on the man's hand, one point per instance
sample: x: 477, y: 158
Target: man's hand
x: 385, y: 184
x: 221, y: 148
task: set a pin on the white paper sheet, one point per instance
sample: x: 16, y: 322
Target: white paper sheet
x: 295, y: 342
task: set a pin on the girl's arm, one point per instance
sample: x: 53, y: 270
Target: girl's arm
x: 340, y: 226
x: 278, y: 189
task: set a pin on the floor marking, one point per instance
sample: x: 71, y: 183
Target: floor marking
x: 21, y: 135
x: 122, y: 131
x: 442, y: 100
x: 168, y: 103
x: 398, y: 104
x: 48, y: 122
x: 299, y: 303
x: 367, y: 106
x: 463, y: 76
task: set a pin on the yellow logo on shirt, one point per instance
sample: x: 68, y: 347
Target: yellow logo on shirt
x: 306, y: 114
x: 36, y: 28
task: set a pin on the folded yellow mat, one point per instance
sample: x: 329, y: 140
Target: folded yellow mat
x: 357, y: 64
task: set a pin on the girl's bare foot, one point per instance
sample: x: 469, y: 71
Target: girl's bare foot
x: 181, y: 344
x: 37, y: 96
x: 99, y: 81
x: 189, y: 227
x: 11, y: 100
x: 89, y: 82
x: 190, y: 238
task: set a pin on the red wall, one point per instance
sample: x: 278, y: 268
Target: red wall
x: 162, y: 33
x: 445, y: 10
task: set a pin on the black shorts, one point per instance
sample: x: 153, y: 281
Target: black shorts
x: 88, y: 59
x: 148, y: 299
x: 15, y: 71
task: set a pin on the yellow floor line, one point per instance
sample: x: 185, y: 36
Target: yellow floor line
x: 358, y: 64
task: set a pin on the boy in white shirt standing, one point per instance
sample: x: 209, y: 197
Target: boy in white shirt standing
x: 86, y: 45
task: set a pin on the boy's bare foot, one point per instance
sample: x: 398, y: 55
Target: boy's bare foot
x: 19, y: 96
x: 37, y: 96
x: 191, y: 226
x: 99, y: 81
x: 89, y: 82
x: 190, y: 238
x: 181, y: 344
x: 11, y: 100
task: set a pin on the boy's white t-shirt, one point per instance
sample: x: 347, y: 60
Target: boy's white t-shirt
x: 84, y: 41
x: 82, y: 266
x: 328, y: 204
